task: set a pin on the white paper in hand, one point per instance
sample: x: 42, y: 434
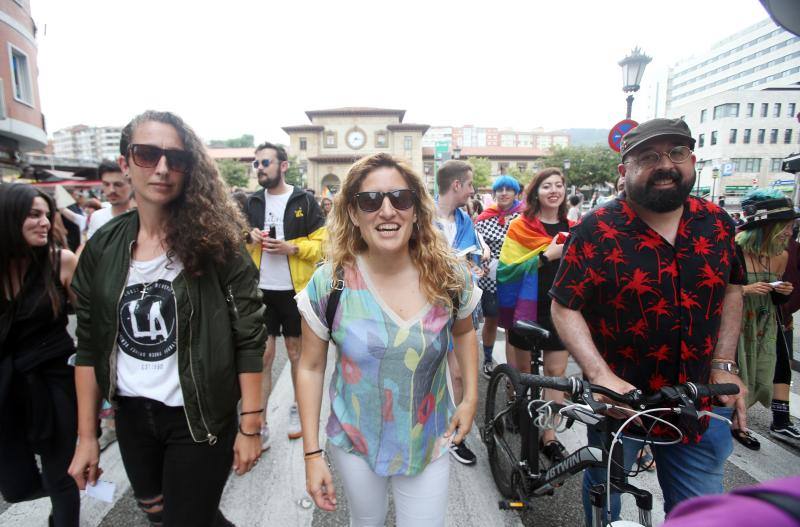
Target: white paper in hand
x: 102, y: 490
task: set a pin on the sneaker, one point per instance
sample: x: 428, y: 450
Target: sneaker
x: 463, y: 454
x: 488, y: 368
x: 788, y: 431
x: 294, y: 432
x: 265, y: 438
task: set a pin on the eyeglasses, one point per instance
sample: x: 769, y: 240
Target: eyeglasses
x: 401, y: 199
x: 148, y: 156
x: 264, y: 163
x: 677, y: 155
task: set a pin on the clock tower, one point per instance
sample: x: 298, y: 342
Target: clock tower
x: 337, y: 137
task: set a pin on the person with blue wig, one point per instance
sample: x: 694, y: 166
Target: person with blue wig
x: 492, y: 225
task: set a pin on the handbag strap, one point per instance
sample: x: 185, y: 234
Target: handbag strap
x: 337, y: 286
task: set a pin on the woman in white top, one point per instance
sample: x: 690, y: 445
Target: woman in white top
x: 170, y: 330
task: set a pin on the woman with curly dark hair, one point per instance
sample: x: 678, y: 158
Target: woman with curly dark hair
x: 37, y: 390
x: 154, y: 286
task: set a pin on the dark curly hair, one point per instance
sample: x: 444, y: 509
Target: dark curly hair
x: 204, y: 223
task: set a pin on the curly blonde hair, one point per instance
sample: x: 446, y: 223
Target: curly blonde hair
x: 204, y: 223
x: 440, y: 274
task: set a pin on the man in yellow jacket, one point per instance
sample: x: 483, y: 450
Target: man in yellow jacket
x: 287, y: 230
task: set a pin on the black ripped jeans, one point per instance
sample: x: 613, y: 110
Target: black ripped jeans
x: 161, y: 458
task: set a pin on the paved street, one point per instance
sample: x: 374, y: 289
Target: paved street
x: 273, y: 493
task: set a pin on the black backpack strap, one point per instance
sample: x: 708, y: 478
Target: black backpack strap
x: 337, y: 286
x: 788, y: 504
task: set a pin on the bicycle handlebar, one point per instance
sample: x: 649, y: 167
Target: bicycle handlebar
x: 668, y: 394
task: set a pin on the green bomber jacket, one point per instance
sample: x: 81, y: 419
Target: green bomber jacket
x: 219, y: 321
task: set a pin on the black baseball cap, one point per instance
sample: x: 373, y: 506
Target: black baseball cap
x: 656, y: 128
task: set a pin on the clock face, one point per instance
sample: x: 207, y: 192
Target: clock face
x: 356, y: 139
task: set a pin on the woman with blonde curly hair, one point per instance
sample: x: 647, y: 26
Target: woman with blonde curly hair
x: 154, y: 286
x: 392, y: 298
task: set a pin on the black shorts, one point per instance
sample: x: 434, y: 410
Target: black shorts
x: 281, y: 313
x: 553, y: 343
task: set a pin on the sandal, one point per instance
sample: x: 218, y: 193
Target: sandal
x: 553, y: 450
x: 746, y: 438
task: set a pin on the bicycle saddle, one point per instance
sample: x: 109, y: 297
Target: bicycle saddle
x: 528, y: 328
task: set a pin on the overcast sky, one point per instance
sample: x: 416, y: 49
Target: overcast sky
x: 235, y: 67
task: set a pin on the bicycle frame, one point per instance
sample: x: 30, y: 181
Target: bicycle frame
x: 536, y: 482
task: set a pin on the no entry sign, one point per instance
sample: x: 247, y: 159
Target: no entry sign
x: 617, y: 131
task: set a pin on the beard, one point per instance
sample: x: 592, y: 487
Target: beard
x: 661, y: 200
x: 267, y: 182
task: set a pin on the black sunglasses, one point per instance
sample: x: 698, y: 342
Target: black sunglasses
x: 148, y: 156
x: 264, y: 163
x: 401, y: 199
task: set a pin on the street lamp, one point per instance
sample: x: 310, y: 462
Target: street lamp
x: 302, y: 169
x: 714, y: 177
x: 456, y: 152
x: 632, y: 71
x: 566, y: 167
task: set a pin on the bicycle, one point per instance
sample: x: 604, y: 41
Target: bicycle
x: 515, y: 414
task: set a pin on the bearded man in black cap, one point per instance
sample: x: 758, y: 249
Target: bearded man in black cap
x: 649, y: 295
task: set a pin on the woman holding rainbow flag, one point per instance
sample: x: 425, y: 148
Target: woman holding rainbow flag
x: 528, y: 263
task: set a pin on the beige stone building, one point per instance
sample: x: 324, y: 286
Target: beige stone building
x: 336, y: 138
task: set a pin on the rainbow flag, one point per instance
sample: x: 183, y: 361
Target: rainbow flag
x: 518, y: 270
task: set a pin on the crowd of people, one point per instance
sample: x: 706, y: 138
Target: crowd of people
x: 181, y: 290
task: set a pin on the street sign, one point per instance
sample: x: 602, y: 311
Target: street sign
x: 617, y: 131
x: 779, y: 182
x: 727, y: 169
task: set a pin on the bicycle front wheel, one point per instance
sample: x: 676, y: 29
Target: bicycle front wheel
x: 502, y: 433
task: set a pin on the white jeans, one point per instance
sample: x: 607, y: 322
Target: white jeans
x: 419, y: 501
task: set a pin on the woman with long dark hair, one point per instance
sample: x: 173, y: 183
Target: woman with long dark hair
x: 529, y: 260
x: 38, y: 412
x: 170, y: 330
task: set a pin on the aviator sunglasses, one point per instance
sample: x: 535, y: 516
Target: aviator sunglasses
x: 401, y: 199
x: 148, y: 156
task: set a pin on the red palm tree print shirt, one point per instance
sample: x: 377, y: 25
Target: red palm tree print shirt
x: 654, y: 309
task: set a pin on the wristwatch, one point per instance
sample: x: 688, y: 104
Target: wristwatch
x: 729, y: 367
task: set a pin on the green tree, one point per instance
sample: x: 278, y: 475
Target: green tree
x: 233, y: 172
x: 294, y: 175
x: 244, y: 141
x: 523, y: 176
x: 589, y: 165
x: 481, y: 172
